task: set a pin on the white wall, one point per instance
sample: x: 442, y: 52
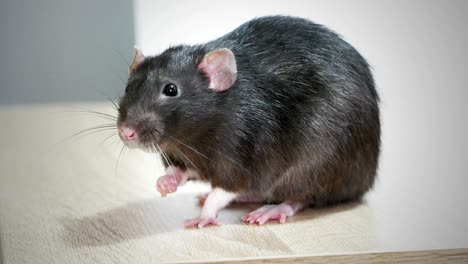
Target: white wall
x: 418, y: 50
x: 162, y: 23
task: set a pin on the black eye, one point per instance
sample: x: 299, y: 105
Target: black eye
x: 170, y: 90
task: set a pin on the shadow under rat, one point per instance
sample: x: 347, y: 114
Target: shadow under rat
x: 157, y: 216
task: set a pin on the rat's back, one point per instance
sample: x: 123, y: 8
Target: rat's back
x: 313, y: 96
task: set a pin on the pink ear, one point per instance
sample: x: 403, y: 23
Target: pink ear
x: 220, y: 68
x: 137, y: 60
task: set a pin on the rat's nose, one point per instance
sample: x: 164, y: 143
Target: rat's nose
x: 128, y: 133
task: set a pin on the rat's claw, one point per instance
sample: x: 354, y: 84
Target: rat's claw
x: 252, y: 217
x: 272, y: 212
x: 201, y: 222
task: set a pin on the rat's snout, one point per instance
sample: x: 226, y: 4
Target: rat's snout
x: 138, y: 128
x: 128, y: 133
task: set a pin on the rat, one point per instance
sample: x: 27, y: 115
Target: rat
x: 280, y: 111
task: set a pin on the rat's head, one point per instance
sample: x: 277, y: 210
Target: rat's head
x: 173, y: 95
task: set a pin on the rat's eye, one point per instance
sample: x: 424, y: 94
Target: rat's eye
x: 170, y: 90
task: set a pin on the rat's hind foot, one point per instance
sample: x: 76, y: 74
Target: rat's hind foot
x: 201, y: 222
x: 273, y: 212
x: 216, y: 200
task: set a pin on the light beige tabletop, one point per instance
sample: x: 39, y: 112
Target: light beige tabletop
x: 71, y: 202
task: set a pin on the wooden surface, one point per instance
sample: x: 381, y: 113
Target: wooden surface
x: 428, y: 256
x: 70, y: 202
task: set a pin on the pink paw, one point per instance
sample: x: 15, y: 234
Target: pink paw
x: 269, y: 212
x: 201, y: 222
x: 166, y: 184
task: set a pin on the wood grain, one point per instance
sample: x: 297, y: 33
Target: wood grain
x: 427, y: 256
x: 74, y: 201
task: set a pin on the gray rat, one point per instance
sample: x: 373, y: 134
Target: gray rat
x: 280, y: 110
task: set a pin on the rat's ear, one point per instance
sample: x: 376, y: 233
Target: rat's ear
x: 220, y: 68
x: 139, y: 58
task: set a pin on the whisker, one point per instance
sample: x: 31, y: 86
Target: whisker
x: 87, y: 109
x: 167, y: 159
x: 117, y: 163
x: 164, y: 155
x: 114, y: 103
x: 93, y: 129
x: 196, y: 151
x: 121, y: 56
x: 97, y: 131
x: 187, y: 159
x: 115, y: 142
x: 226, y: 157
x: 193, y: 149
x: 93, y: 111
x: 97, y: 127
x: 109, y: 137
x: 114, y: 119
x: 121, y: 79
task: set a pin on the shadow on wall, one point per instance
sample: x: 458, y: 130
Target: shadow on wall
x: 65, y: 50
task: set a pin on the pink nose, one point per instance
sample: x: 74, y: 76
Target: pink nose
x: 128, y: 133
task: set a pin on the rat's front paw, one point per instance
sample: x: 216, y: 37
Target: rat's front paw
x: 166, y: 184
x: 201, y: 222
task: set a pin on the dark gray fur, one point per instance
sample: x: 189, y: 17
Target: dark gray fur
x: 301, y: 122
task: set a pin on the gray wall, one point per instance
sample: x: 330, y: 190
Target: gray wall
x: 64, y: 50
